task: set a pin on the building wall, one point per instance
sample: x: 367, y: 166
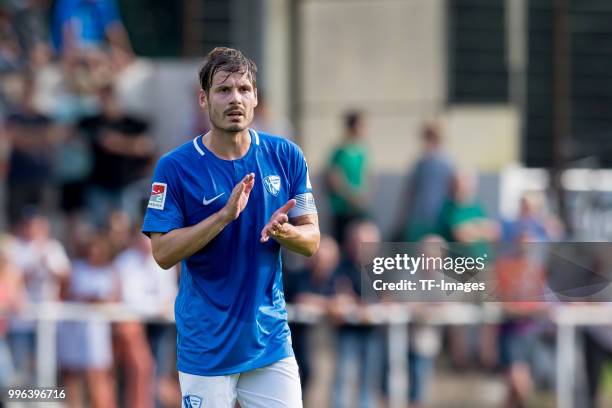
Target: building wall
x: 386, y: 58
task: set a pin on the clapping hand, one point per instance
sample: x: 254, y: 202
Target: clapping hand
x: 278, y: 226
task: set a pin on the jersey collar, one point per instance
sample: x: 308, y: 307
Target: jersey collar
x: 198, y: 143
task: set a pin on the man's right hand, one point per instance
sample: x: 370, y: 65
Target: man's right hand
x: 173, y: 246
x: 239, y: 198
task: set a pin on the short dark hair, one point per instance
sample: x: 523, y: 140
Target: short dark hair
x: 228, y: 60
x: 352, y: 119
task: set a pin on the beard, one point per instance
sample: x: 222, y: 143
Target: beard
x: 233, y: 127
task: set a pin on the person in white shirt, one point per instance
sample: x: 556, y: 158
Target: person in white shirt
x: 150, y: 291
x: 44, y: 267
x: 85, y: 347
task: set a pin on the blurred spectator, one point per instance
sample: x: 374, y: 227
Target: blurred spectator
x: 347, y: 176
x: 86, y: 74
x: 44, y: 268
x: 425, y: 340
x: 80, y: 25
x: 359, y: 345
x: 11, y: 299
x: 72, y: 168
x: 464, y: 221
x: 462, y: 218
x: 77, y: 235
x: 149, y: 290
x: 533, y: 220
x: 33, y: 140
x: 66, y: 93
x: 425, y: 343
x: 132, y: 79
x: 30, y: 20
x: 41, y: 258
x: 311, y: 287
x: 85, y: 347
x: 122, y: 149
x: 427, y: 188
x: 60, y: 90
x: 120, y: 231
x: 11, y: 53
x: 521, y: 280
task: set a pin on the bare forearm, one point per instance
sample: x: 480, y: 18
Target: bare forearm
x: 118, y: 37
x: 178, y: 244
x: 303, y: 239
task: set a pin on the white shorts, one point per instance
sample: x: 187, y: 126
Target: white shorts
x: 273, y: 386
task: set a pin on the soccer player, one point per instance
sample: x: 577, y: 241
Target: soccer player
x: 224, y: 204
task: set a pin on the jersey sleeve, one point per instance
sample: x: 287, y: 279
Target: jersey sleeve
x: 301, y: 189
x: 164, y: 211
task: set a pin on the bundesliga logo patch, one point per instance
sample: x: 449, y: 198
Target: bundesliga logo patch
x: 272, y: 184
x: 158, y: 196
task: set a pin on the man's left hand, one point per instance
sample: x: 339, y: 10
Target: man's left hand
x: 278, y: 226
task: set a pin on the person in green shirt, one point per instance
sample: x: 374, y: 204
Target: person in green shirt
x: 347, y: 176
x: 464, y: 222
x: 462, y: 218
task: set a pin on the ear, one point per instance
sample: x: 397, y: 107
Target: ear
x: 256, y: 100
x: 203, y: 100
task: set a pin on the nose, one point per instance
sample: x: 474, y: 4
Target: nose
x: 235, y: 97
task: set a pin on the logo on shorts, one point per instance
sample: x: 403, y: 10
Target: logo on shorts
x: 273, y: 184
x: 158, y: 196
x: 192, y: 401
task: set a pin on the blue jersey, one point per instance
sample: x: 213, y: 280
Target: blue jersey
x: 230, y: 309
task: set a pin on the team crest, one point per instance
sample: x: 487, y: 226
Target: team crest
x: 192, y: 401
x: 158, y: 196
x: 273, y: 184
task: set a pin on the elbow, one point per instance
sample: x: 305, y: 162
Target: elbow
x: 160, y: 253
x: 162, y: 261
x: 165, y: 265
x: 312, y: 248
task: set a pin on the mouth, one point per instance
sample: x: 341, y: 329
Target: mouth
x: 235, y: 114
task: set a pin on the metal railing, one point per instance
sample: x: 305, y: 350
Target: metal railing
x: 395, y: 317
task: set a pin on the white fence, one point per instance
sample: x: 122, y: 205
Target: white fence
x: 395, y: 317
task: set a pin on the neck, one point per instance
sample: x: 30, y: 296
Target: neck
x: 351, y: 138
x: 228, y: 145
x: 431, y: 148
